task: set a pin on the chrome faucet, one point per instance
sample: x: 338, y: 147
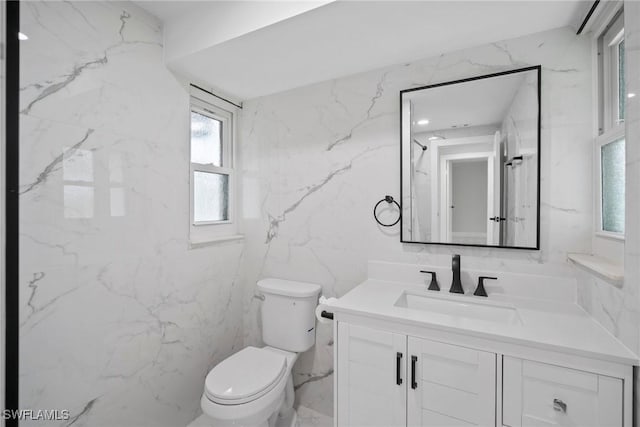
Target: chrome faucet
x: 456, y: 284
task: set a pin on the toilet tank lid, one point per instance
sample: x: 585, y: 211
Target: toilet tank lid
x: 290, y: 288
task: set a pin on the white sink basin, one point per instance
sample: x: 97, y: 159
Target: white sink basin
x: 460, y: 306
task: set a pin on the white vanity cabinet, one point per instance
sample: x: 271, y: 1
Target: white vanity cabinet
x: 538, y: 394
x: 391, y: 379
x: 390, y: 375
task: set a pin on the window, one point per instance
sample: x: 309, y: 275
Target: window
x: 612, y: 185
x: 79, y: 183
x: 611, y: 49
x: 91, y: 191
x: 211, y: 172
x: 610, y: 143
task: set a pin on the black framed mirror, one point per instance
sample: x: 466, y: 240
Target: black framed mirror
x: 470, y: 161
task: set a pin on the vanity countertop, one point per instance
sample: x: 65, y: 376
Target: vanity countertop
x: 551, y: 325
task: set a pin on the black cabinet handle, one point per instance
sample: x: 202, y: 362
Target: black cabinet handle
x: 326, y: 314
x: 414, y: 384
x: 398, y: 366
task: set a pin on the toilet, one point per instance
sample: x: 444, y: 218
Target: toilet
x: 254, y: 387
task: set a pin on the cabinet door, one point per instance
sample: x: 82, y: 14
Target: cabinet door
x: 538, y: 394
x: 371, y: 375
x: 450, y: 385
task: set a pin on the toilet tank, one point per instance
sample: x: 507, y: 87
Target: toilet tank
x: 288, y: 314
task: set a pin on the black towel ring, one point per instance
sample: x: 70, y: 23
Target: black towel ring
x: 389, y: 200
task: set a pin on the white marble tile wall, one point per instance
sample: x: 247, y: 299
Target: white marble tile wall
x: 316, y: 160
x: 632, y: 123
x: 120, y: 321
x: 632, y: 198
x: 618, y: 308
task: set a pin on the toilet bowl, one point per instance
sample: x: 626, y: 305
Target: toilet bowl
x: 249, y: 387
x: 254, y: 387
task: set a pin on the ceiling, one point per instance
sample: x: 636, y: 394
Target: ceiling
x: 475, y: 103
x: 168, y: 10
x: 337, y: 39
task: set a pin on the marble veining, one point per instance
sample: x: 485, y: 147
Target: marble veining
x: 55, y: 163
x: 617, y: 305
x: 318, y: 158
x: 119, y: 320
x: 132, y: 320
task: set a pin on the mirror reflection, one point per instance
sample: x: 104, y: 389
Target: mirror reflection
x: 470, y: 161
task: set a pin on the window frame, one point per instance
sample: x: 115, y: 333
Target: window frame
x: 211, y: 231
x: 602, y: 140
x: 612, y: 36
x: 607, y: 35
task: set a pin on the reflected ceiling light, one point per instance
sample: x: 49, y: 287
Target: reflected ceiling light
x: 631, y: 95
x: 423, y: 122
x: 435, y: 137
x: 22, y: 36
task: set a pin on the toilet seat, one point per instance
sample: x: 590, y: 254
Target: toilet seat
x: 245, y: 376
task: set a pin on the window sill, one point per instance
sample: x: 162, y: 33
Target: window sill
x: 599, y: 266
x: 612, y: 236
x: 200, y: 243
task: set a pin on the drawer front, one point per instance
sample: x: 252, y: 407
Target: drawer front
x: 537, y: 394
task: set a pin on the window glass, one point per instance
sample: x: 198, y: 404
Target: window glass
x: 77, y: 165
x: 78, y: 201
x: 612, y: 165
x: 621, y: 82
x: 211, y: 197
x: 117, y: 201
x: 206, y: 140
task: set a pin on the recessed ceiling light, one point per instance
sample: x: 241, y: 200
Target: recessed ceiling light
x: 435, y: 137
x: 423, y: 122
x: 631, y: 95
x: 22, y: 36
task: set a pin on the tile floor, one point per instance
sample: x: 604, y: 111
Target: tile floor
x: 306, y: 418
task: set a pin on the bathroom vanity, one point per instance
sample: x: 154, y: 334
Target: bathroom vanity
x: 525, y: 355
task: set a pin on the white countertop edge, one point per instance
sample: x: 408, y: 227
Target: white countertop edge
x: 367, y: 304
x: 490, y: 336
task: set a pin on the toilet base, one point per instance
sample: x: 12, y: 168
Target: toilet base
x: 290, y: 420
x: 282, y: 412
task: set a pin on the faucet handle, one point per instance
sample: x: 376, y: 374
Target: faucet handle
x: 433, y: 286
x: 480, y: 291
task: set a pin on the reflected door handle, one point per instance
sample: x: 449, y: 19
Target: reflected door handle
x: 497, y: 219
